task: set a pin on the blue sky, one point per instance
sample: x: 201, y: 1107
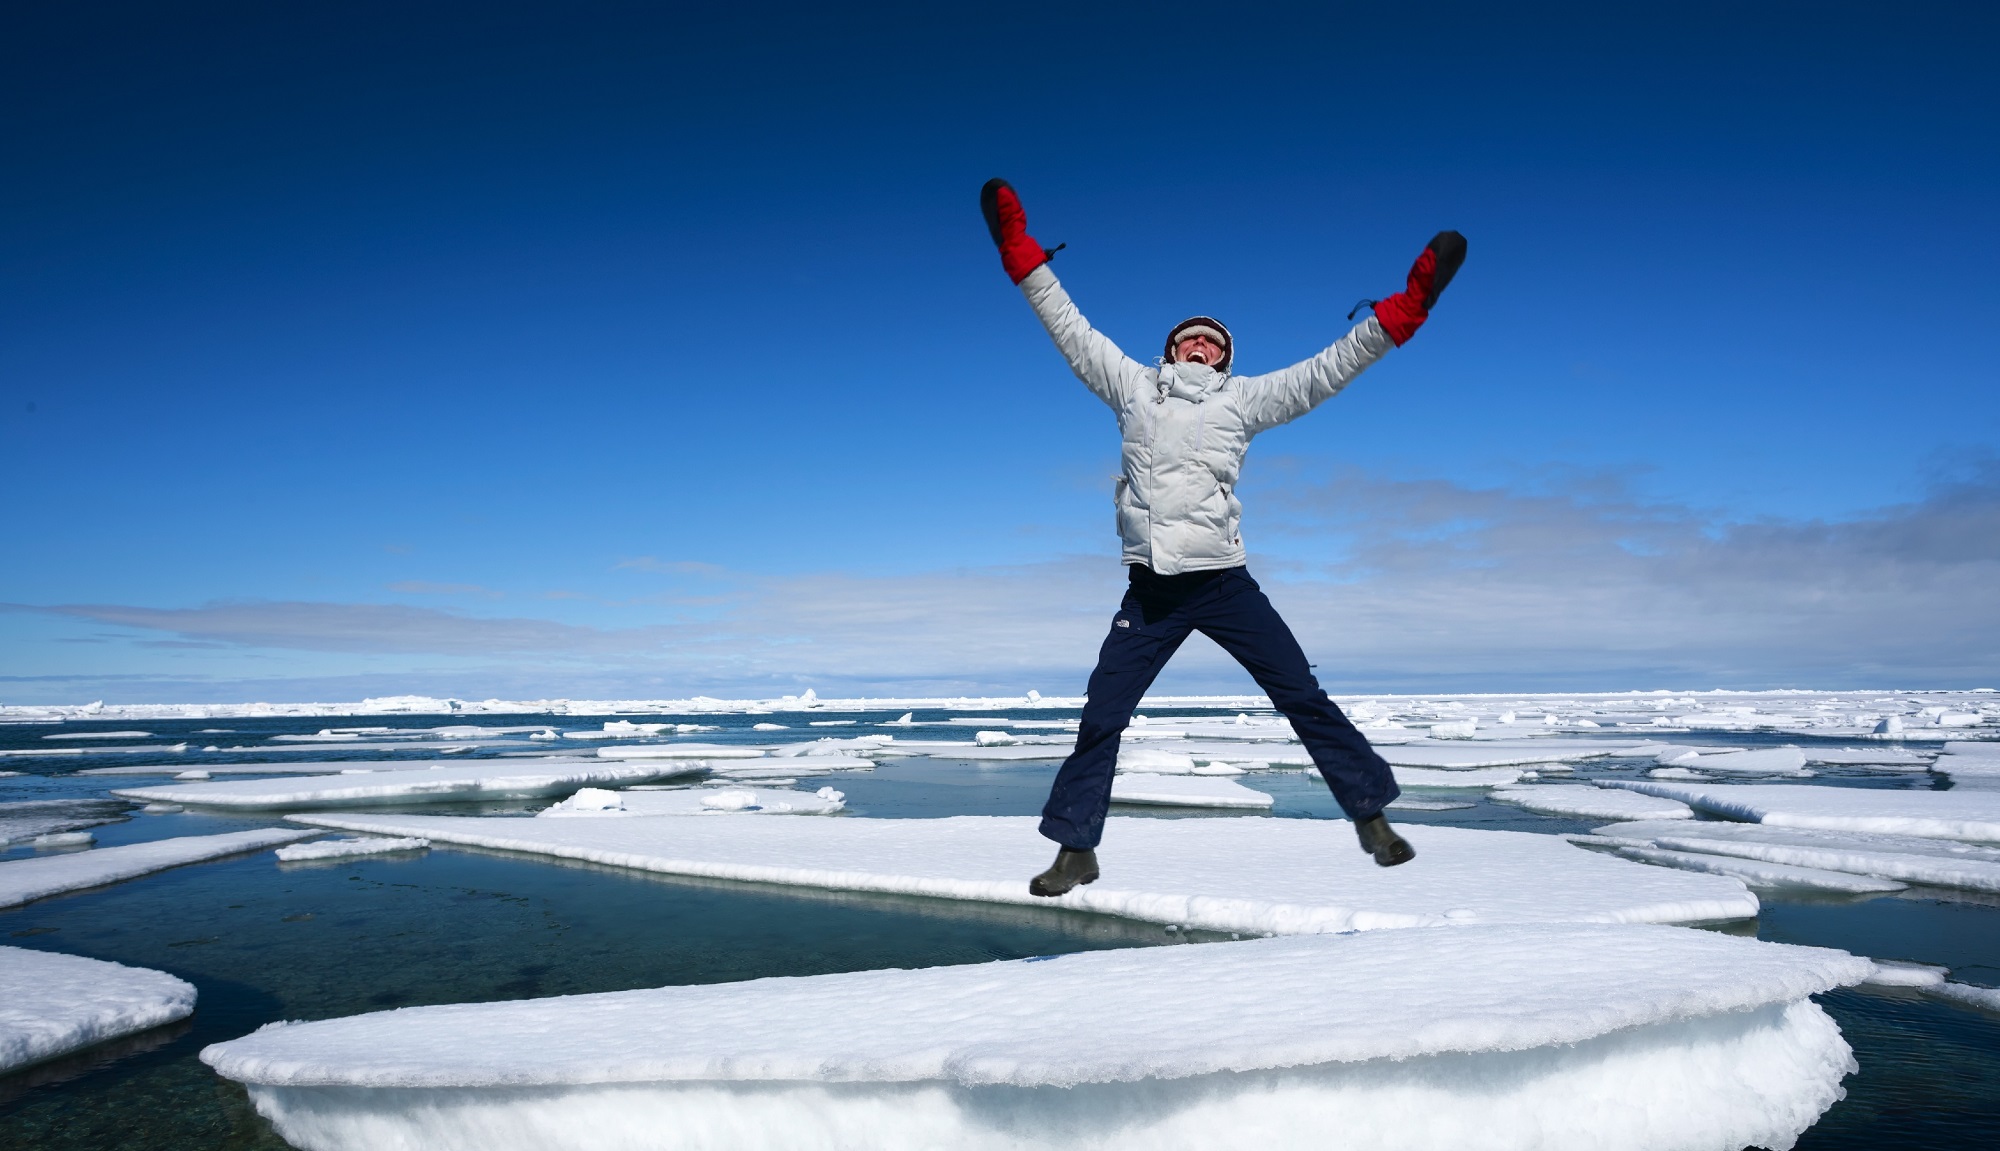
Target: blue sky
x: 622, y: 349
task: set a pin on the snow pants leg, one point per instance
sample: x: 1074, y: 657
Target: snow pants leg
x: 1153, y: 621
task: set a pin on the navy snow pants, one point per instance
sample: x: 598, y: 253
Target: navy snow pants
x: 1228, y: 607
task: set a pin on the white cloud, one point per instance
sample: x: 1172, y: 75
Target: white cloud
x: 1437, y: 587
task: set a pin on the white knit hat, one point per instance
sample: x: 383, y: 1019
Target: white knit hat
x: 1203, y: 326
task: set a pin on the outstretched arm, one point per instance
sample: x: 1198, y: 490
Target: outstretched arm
x: 1285, y: 395
x: 1097, y: 361
x: 1273, y: 399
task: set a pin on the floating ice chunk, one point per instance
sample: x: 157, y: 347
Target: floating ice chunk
x: 64, y: 839
x: 100, y: 735
x: 1882, y: 757
x: 342, y: 848
x: 681, y: 751
x: 1675, y: 773
x: 1984, y: 998
x: 1153, y: 760
x: 1968, y: 815
x: 487, y: 779
x: 1285, y: 876
x: 1485, y: 755
x: 1477, y: 777
x: 1185, y: 791
x: 1759, y: 874
x: 30, y: 818
x: 1767, y: 761
x: 1574, y: 1037
x: 769, y: 727
x: 907, y: 719
x: 1454, y: 729
x: 1938, y: 863
x: 794, y: 765
x: 994, y: 739
x: 759, y: 801
x: 52, y: 1004
x: 1592, y: 802
x: 196, y: 774
x: 1413, y: 803
x: 1893, y: 973
x: 47, y: 752
x: 24, y: 880
x: 162, y: 808
x: 592, y: 800
x: 545, y: 735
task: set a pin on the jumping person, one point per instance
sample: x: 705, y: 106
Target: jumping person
x: 1186, y: 424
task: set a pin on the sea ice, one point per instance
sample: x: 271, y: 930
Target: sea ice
x: 1766, y: 761
x: 1910, y: 859
x: 52, y: 1004
x: 485, y: 779
x: 1572, y: 1037
x: 1495, y: 755
x: 1592, y: 802
x: 342, y: 848
x: 1285, y: 876
x: 1473, y: 777
x: 1185, y: 791
x: 681, y: 751
x: 31, y: 818
x: 1956, y: 814
x: 24, y: 880
x: 1893, y: 973
x: 1759, y: 874
x: 764, y: 801
x: 1984, y: 998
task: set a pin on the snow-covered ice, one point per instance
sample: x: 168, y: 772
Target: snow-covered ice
x: 342, y: 848
x: 1894, y: 973
x: 1957, y: 814
x: 1765, y: 761
x: 1570, y: 1037
x: 23, y: 880
x: 1285, y: 876
x: 763, y: 801
x: 1759, y: 874
x: 1470, y: 777
x: 1185, y: 791
x: 32, y: 818
x: 680, y: 751
x: 52, y: 1004
x: 1465, y: 755
x: 483, y: 779
x: 1909, y: 859
x: 1592, y: 802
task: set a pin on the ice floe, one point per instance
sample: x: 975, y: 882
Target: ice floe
x: 1957, y: 814
x: 1284, y: 876
x: 1908, y: 859
x: 1473, y: 777
x: 485, y: 779
x: 1592, y: 802
x: 30, y: 819
x: 681, y: 751
x: 53, y: 1004
x: 23, y: 880
x: 593, y: 801
x: 342, y: 848
x: 1766, y: 761
x: 1185, y: 791
x: 1758, y: 874
x: 1571, y: 1037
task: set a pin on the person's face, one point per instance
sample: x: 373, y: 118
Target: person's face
x: 1198, y: 350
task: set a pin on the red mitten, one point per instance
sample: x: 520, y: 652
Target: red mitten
x: 1019, y: 253
x: 1403, y: 313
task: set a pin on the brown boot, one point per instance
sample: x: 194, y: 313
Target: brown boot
x: 1070, y: 869
x: 1381, y: 841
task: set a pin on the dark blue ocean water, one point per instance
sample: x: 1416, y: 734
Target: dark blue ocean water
x: 264, y: 941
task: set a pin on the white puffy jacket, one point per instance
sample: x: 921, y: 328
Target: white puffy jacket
x: 1186, y: 427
